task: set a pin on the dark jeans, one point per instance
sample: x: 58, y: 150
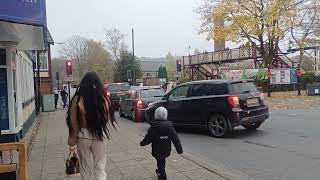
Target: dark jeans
x: 56, y: 101
x: 64, y: 102
x: 161, y: 163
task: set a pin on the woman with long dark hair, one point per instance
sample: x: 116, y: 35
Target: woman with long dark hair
x: 88, y: 117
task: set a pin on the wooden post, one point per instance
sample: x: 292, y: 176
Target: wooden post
x: 23, y: 165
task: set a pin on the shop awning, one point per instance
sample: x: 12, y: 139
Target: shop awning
x: 26, y: 37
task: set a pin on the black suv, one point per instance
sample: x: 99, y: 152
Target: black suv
x: 116, y: 90
x: 218, y: 105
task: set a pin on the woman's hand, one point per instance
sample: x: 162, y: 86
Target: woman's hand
x: 72, y: 148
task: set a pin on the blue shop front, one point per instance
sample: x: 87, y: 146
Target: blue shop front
x: 22, y: 30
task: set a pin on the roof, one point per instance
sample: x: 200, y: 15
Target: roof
x: 219, y: 81
x: 151, y: 65
x: 144, y: 87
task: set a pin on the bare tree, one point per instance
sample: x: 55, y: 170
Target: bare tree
x: 76, y: 48
x: 114, y: 40
x: 88, y: 55
x: 305, y: 24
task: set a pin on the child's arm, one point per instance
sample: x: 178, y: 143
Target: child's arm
x: 148, y: 138
x: 176, y: 141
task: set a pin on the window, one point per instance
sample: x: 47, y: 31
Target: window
x: 3, y: 57
x: 179, y: 92
x: 200, y: 90
x: 43, y: 58
x: 118, y: 87
x: 242, y: 87
x: 148, y: 93
x: 209, y: 89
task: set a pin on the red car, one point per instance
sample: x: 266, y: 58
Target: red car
x: 136, y: 100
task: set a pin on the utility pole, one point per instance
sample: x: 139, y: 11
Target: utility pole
x: 134, y: 68
x: 316, y: 61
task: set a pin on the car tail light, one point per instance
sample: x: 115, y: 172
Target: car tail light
x: 262, y: 96
x: 139, y: 104
x: 233, y: 101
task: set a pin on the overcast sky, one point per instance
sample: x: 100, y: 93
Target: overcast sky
x: 161, y: 26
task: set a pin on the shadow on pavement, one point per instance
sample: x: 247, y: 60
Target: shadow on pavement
x: 238, y: 133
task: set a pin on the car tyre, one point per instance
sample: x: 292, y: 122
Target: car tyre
x: 252, y: 126
x: 218, y: 126
x: 121, y: 113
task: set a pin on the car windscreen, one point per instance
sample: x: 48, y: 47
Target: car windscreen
x: 148, y: 93
x: 242, y: 88
x: 118, y: 87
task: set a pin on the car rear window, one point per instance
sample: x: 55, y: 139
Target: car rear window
x: 209, y: 89
x: 118, y: 87
x: 242, y: 88
x: 147, y: 93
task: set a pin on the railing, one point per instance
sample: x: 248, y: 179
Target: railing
x: 12, y: 167
x: 226, y: 55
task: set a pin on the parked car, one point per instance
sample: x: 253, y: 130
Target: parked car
x: 136, y: 100
x: 114, y: 91
x: 218, y: 105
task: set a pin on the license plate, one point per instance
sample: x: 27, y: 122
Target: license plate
x: 252, y: 101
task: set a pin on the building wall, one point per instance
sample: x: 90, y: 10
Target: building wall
x: 20, y: 96
x: 25, y: 87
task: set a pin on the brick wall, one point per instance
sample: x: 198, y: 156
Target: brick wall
x: 46, y: 87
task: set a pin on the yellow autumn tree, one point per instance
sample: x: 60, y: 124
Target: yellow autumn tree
x: 263, y: 23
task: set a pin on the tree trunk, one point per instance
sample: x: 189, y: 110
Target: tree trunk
x: 301, y: 56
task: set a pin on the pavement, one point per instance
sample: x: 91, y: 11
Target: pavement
x: 126, y: 160
x: 290, y: 100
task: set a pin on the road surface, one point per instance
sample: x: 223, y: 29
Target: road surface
x: 286, y: 147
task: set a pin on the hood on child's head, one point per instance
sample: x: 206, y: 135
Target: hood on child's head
x: 161, y: 113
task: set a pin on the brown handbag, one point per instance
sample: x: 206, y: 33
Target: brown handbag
x: 72, y: 164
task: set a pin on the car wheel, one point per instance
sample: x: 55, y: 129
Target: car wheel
x: 253, y: 126
x: 218, y: 126
x: 121, y: 113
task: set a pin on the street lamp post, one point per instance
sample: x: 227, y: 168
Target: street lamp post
x: 39, y: 82
x: 134, y: 68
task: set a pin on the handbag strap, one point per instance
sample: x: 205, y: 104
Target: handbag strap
x: 72, y: 153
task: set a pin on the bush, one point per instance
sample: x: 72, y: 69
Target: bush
x: 308, y: 78
x: 318, y: 78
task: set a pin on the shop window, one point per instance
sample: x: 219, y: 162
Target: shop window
x: 43, y: 57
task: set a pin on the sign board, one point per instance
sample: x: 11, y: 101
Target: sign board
x: 68, y: 78
x: 293, y: 76
x: 283, y: 76
x: 4, y: 118
x: 31, y: 12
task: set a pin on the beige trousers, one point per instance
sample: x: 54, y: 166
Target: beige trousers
x: 92, y: 157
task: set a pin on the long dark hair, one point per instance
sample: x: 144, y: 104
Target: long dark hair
x: 97, y: 114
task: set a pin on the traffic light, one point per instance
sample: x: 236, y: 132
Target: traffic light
x: 69, y: 67
x: 178, y: 65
